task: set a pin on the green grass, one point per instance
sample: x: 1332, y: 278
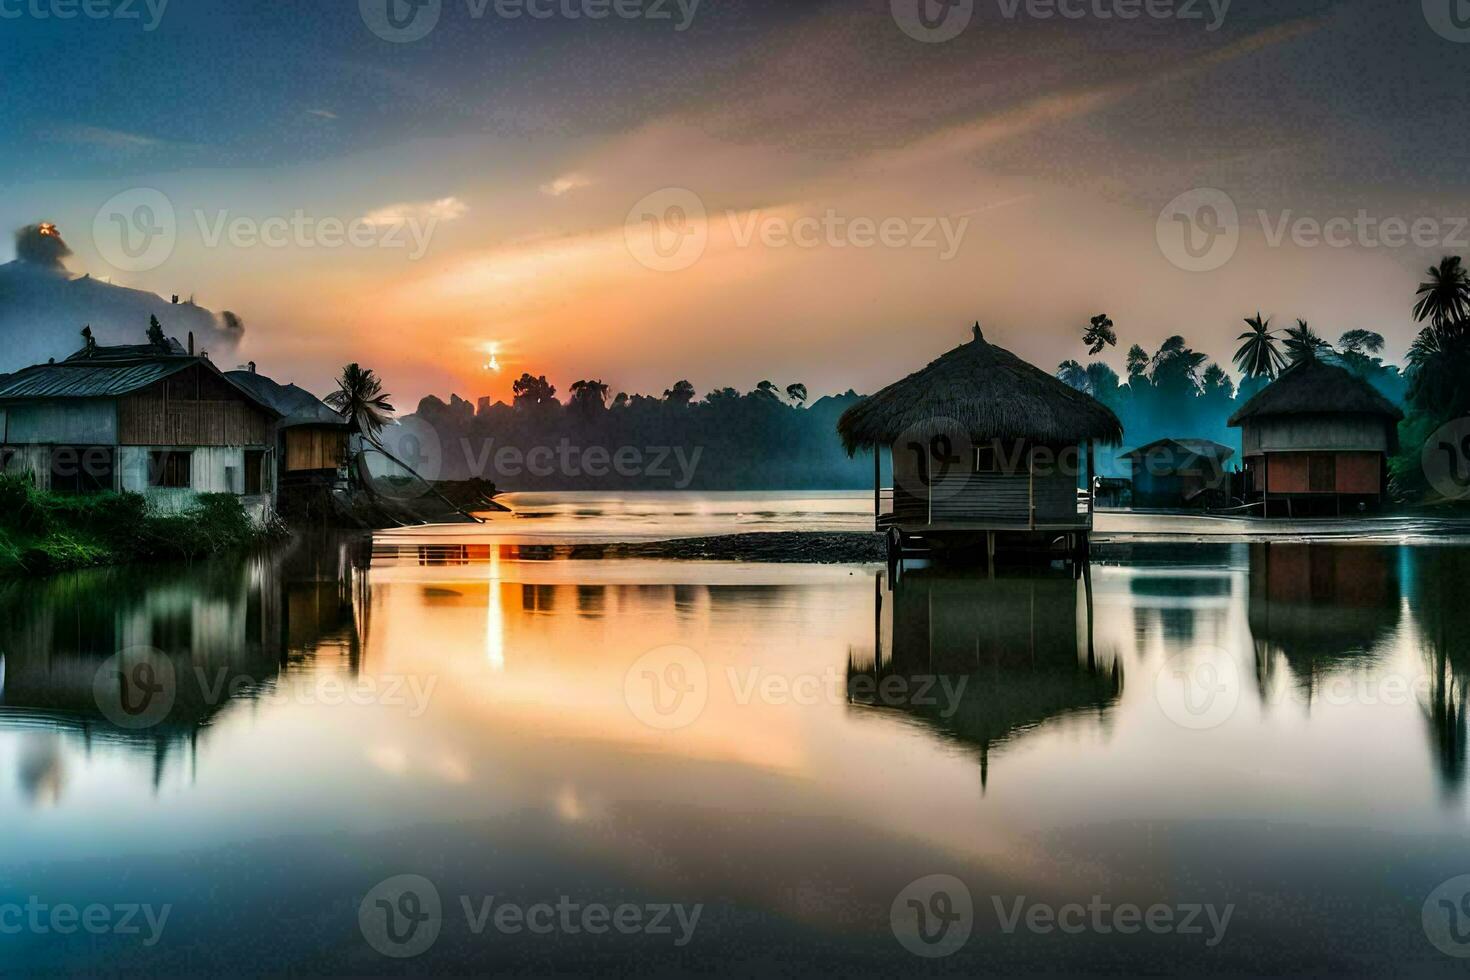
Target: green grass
x: 47, y: 532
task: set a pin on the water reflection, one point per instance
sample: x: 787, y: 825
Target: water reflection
x: 1439, y: 609
x: 229, y: 631
x: 984, y: 660
x: 1320, y: 609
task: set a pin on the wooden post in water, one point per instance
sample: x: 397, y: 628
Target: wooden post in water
x: 877, y: 483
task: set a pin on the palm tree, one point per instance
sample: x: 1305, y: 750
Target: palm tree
x: 1260, y: 355
x: 1099, y: 334
x: 797, y: 393
x: 1137, y: 361
x: 1302, y: 342
x: 1444, y: 298
x: 1072, y: 374
x: 1360, y: 342
x: 359, y: 396
x: 1102, y: 383
x: 767, y: 391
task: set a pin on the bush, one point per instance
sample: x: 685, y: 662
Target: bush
x: 42, y: 531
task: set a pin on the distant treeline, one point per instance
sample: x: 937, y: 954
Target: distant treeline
x: 765, y: 439
x: 769, y: 438
x: 1176, y: 392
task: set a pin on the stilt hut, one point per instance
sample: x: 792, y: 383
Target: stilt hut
x: 1317, y: 440
x: 987, y: 451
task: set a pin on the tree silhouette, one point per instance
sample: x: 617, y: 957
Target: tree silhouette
x: 1099, y: 333
x: 1137, y: 361
x: 1360, y: 342
x: 360, y: 397
x: 1302, y: 342
x: 796, y: 393
x: 532, y: 392
x: 681, y: 394
x: 1260, y: 355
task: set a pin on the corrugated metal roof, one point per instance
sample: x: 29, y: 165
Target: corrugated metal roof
x: 74, y: 380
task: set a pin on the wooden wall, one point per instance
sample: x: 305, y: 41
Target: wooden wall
x: 1354, y: 473
x: 191, y: 408
x: 1304, y: 433
x: 314, y: 449
x: 1001, y: 500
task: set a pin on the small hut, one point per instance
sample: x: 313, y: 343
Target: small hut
x: 1178, y: 472
x: 1317, y: 440
x: 985, y: 448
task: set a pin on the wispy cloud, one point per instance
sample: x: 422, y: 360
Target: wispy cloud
x: 112, y: 139
x: 565, y: 184
x: 322, y: 113
x: 443, y: 209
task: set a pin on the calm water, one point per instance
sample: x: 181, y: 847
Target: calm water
x: 1279, y: 731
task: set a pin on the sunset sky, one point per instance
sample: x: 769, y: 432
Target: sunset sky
x: 1048, y: 146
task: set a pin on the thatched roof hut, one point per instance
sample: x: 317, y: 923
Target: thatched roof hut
x: 989, y: 391
x: 1317, y: 440
x: 1312, y: 386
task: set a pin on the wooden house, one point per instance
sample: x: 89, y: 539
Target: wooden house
x: 150, y: 418
x: 1317, y: 440
x: 985, y: 449
x: 310, y: 440
x: 1178, y: 472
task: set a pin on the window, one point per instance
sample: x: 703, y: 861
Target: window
x: 169, y: 468
x: 81, y: 469
x: 8, y: 457
x: 254, y: 471
x: 987, y: 460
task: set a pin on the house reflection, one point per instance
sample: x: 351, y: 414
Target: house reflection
x: 1021, y: 644
x: 1320, y: 609
x: 228, y: 631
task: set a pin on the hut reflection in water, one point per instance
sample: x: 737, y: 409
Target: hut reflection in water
x: 982, y: 661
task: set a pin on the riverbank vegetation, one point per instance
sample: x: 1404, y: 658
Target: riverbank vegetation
x: 42, y: 531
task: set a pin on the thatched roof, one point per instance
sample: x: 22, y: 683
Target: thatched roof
x: 987, y: 390
x: 1314, y: 387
